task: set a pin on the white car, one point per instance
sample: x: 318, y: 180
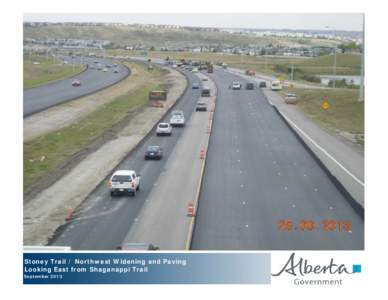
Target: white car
x: 276, y: 85
x: 177, y: 118
x: 105, y: 70
x: 195, y: 70
x: 236, y: 85
x: 164, y: 129
x: 124, y: 182
x: 290, y: 99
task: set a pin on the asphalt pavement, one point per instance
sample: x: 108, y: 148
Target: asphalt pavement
x: 262, y: 189
x: 42, y: 97
x: 102, y: 222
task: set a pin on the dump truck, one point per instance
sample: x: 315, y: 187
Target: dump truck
x: 157, y: 95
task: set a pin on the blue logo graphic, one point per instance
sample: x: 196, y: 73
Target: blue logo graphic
x: 356, y: 268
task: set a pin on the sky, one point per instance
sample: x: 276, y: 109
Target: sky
x: 317, y: 21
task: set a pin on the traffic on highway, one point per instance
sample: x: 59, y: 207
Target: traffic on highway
x: 222, y: 170
x: 98, y: 74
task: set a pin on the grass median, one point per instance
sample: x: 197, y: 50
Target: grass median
x: 39, y: 70
x: 46, y: 153
x: 345, y: 115
x: 346, y: 64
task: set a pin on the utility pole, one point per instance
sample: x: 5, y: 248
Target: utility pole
x: 292, y: 72
x: 334, y: 66
x: 361, y: 97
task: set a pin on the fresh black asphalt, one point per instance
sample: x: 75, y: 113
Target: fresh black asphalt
x: 258, y: 174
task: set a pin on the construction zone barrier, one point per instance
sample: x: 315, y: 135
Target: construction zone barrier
x: 69, y: 214
x: 190, y: 210
x: 202, y: 154
x: 157, y: 104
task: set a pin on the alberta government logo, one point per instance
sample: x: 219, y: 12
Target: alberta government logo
x: 301, y: 269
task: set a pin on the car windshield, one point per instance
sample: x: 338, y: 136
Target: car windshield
x: 163, y: 125
x: 200, y: 103
x: 153, y: 148
x: 177, y: 112
x: 122, y: 178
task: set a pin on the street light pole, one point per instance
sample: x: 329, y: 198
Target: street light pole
x: 361, y: 97
x: 292, y: 72
x: 335, y: 66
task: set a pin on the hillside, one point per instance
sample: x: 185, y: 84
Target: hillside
x: 131, y: 35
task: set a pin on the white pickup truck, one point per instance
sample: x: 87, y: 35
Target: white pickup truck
x: 124, y: 182
x: 177, y: 118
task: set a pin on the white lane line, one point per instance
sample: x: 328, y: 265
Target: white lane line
x: 323, y: 150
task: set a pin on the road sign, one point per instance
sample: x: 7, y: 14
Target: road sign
x: 325, y: 105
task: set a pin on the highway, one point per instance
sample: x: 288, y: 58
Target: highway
x: 42, y: 97
x: 258, y: 174
x: 102, y: 222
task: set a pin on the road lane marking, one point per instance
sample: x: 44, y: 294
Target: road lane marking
x: 323, y: 150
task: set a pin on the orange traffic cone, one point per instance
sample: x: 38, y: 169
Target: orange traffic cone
x: 190, y: 210
x: 69, y: 214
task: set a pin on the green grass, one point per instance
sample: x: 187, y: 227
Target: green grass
x: 347, y: 64
x: 46, y: 71
x: 59, y: 146
x: 346, y: 113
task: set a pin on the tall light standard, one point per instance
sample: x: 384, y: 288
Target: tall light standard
x: 361, y: 97
x: 335, y: 59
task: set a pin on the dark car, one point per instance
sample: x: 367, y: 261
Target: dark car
x: 249, y: 86
x: 201, y: 106
x: 262, y: 84
x: 205, y: 91
x: 153, y: 152
x: 195, y: 86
